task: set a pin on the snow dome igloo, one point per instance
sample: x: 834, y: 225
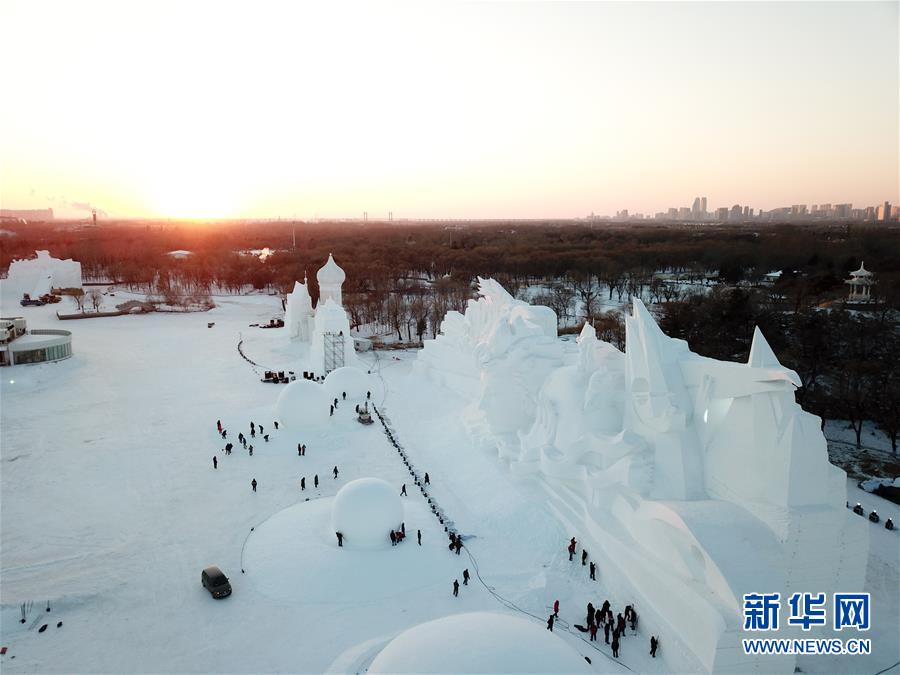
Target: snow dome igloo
x: 478, y: 642
x: 365, y: 511
x: 348, y: 379
x: 302, y: 404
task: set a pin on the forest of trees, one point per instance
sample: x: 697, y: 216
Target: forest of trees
x: 407, y: 276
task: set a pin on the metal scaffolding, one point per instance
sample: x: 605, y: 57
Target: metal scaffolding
x: 334, y: 351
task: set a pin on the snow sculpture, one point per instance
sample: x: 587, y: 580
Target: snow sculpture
x: 478, y: 642
x: 302, y: 404
x: 326, y: 329
x: 38, y: 276
x: 298, y: 315
x: 365, y: 511
x: 499, y: 352
x: 330, y: 278
x: 692, y: 481
x: 331, y: 345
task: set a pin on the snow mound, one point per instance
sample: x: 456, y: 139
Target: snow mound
x: 301, y: 405
x: 365, y: 511
x: 347, y: 379
x: 478, y: 642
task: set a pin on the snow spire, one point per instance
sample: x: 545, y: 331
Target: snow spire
x: 761, y: 354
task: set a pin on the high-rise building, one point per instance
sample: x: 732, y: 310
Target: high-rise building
x: 695, y: 208
x: 746, y: 212
x: 842, y: 210
x: 722, y: 213
x: 870, y: 213
x: 884, y: 212
x: 703, y: 206
x: 684, y: 213
x: 673, y: 213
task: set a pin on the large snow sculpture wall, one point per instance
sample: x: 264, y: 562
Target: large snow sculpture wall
x: 39, y: 275
x: 691, y: 480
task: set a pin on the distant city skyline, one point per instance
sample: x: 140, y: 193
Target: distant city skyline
x: 477, y: 110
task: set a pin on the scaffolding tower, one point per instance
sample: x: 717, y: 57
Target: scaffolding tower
x: 334, y: 351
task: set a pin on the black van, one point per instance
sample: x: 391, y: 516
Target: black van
x: 215, y: 581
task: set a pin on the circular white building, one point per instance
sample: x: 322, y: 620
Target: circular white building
x: 365, y: 511
x: 302, y: 404
x: 478, y: 642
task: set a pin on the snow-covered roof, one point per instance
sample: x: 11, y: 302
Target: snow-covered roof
x: 478, y: 642
x: 330, y: 273
x: 861, y: 272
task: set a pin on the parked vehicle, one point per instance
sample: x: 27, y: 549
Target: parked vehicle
x: 26, y: 301
x: 215, y: 581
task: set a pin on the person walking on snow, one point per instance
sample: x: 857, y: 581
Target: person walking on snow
x: 316, y: 480
x: 253, y: 484
x: 251, y: 451
x: 340, y: 538
x: 427, y: 479
x: 606, y: 632
x: 393, y: 538
x: 331, y: 414
x: 215, y: 462
x: 260, y: 428
x: 224, y: 433
x: 634, y: 621
x: 583, y: 557
x: 252, y: 432
x: 252, y: 428
x: 550, y: 622
x: 299, y: 450
x: 620, y: 624
x: 368, y: 395
x: 615, y: 646
x: 465, y: 577
x: 654, y: 645
x: 266, y: 438
x: 593, y: 632
x: 571, y: 549
x: 335, y: 473
x: 458, y: 544
x: 303, y: 483
x: 590, y: 614
x: 276, y: 425
x: 403, y: 491
x: 556, y: 608
x: 345, y: 395
x: 219, y: 425
x: 455, y: 588
x: 593, y: 569
x: 419, y: 536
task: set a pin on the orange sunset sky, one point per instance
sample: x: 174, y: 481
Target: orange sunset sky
x: 202, y: 109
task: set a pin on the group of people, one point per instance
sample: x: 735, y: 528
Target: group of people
x: 466, y: 577
x: 613, y: 625
x: 242, y: 439
x: 399, y: 535
x: 592, y: 567
x: 455, y: 542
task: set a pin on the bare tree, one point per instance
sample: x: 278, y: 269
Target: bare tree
x: 96, y: 298
x: 78, y: 297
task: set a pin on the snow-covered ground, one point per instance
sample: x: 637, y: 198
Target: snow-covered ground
x: 111, y: 508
